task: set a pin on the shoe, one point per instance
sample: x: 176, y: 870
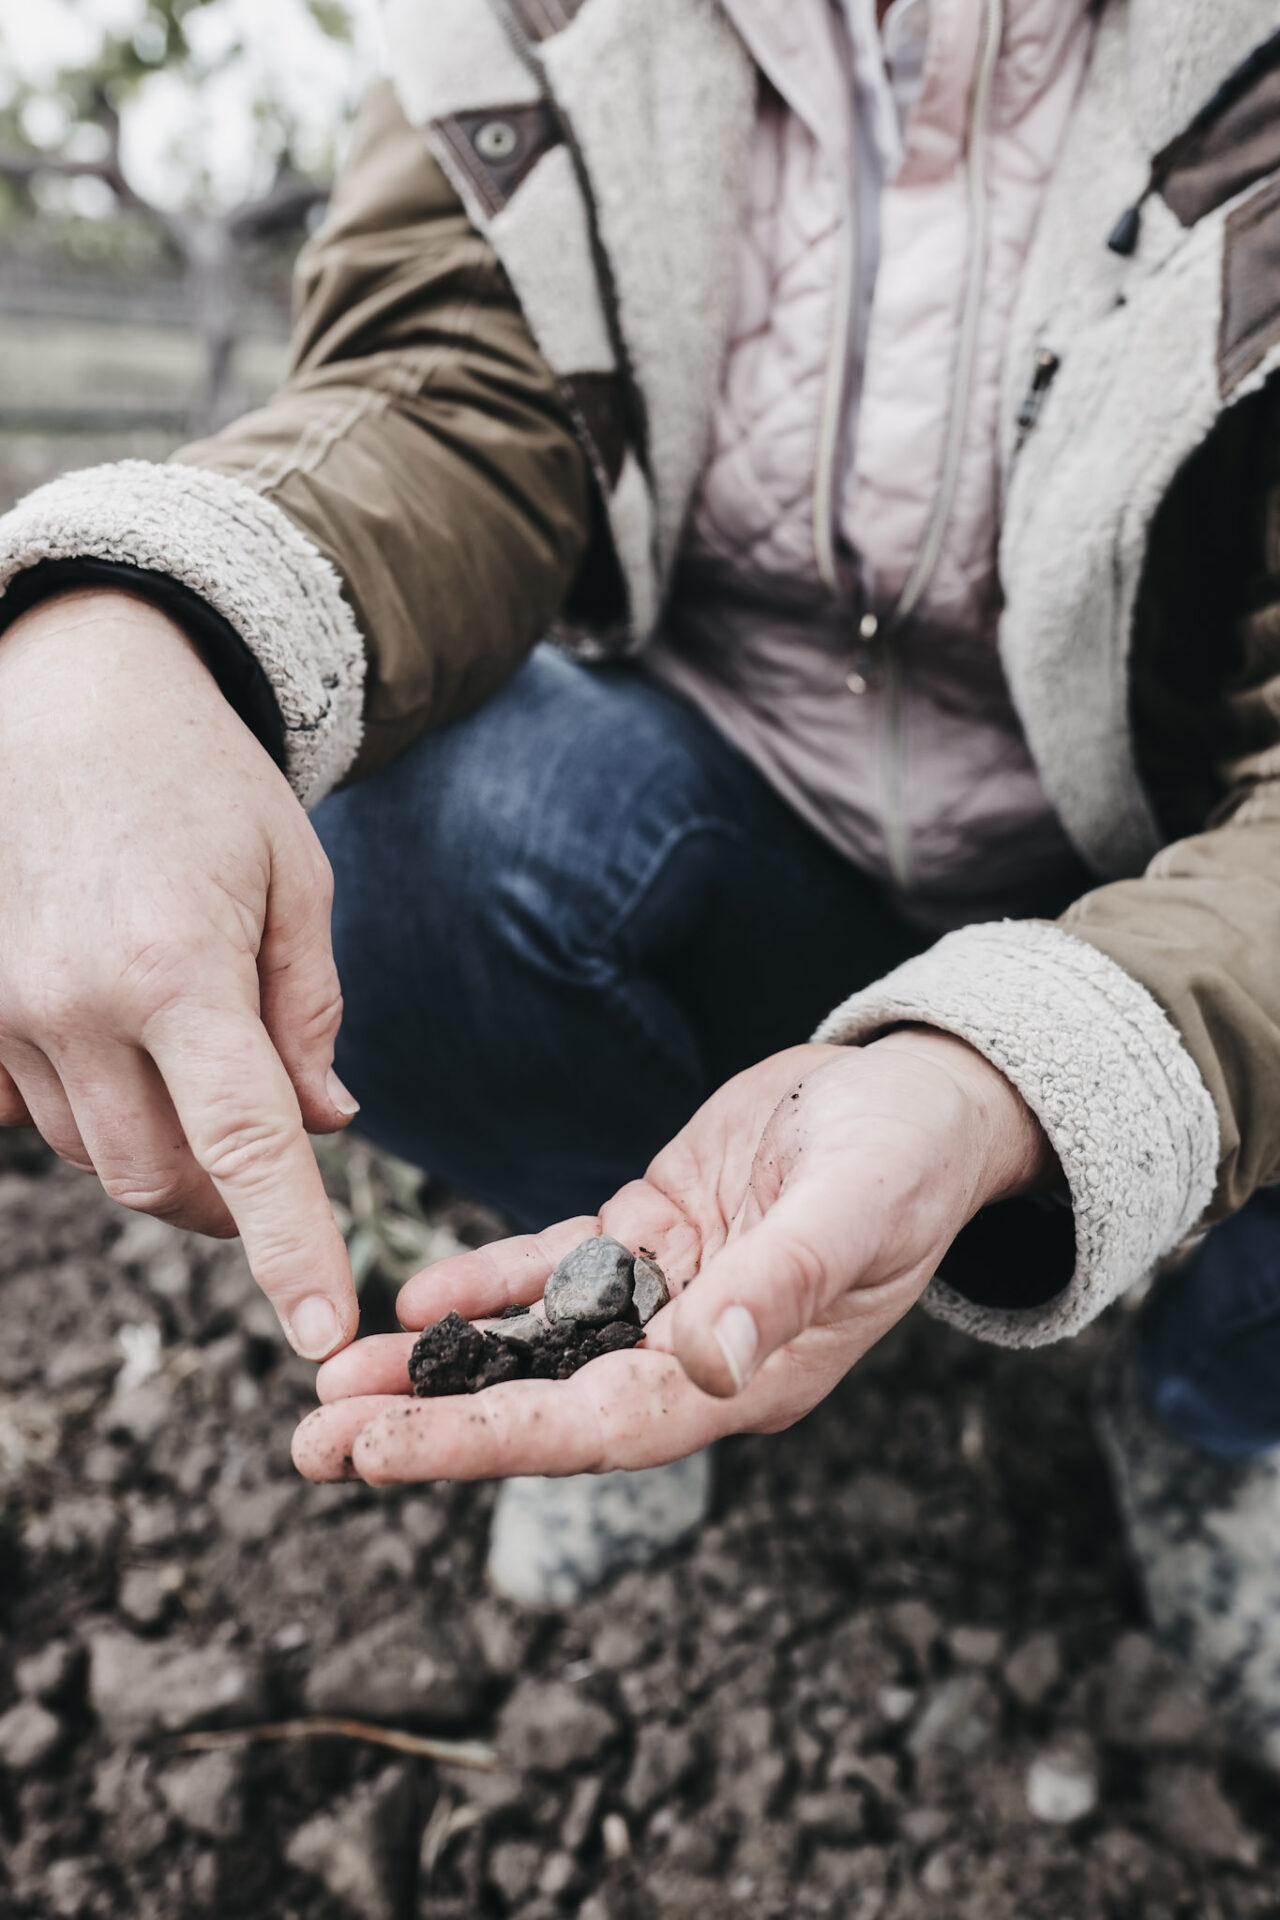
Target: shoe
x: 1204, y: 1534
x: 552, y: 1542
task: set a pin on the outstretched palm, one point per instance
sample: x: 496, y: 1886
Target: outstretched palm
x: 800, y: 1213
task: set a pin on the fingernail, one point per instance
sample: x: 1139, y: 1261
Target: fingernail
x: 344, y: 1103
x: 737, y: 1337
x: 314, y: 1327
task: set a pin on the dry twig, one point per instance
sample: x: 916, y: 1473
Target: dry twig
x: 455, y: 1753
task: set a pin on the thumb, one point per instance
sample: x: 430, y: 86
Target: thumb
x: 759, y: 1291
x: 298, y: 983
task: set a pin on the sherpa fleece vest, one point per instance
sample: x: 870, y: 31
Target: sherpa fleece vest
x: 602, y: 146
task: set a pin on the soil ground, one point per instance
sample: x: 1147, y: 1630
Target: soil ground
x: 907, y: 1636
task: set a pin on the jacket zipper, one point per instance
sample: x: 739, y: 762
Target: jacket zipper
x: 830, y: 432
x: 896, y: 824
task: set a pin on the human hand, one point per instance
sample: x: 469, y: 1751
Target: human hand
x: 798, y: 1216
x: 168, y: 999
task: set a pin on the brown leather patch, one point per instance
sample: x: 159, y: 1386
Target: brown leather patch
x: 499, y: 148
x: 542, y: 18
x: 1205, y: 168
x: 1250, y: 286
x: 597, y: 399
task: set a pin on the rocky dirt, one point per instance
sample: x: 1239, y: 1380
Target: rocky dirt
x: 903, y: 1673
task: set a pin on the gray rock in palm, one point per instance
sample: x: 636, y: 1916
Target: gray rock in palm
x: 592, y: 1284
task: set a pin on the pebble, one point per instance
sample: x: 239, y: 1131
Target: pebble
x: 649, y: 1289
x: 520, y: 1330
x: 1192, y: 1814
x: 615, y: 1837
x: 592, y: 1284
x: 976, y: 1646
x: 557, y: 1876
x: 953, y: 1718
x: 360, y: 1851
x: 580, y: 1816
x: 550, y: 1727
x: 137, y: 1686
x: 664, y: 1759
x: 47, y: 1674
x: 204, y: 1793
x: 1062, y: 1786
x: 146, y: 1594
x: 513, y: 1868
x: 1033, y: 1670
x: 399, y: 1670
x: 29, y: 1735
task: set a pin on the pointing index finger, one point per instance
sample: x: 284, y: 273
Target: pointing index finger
x: 241, y: 1117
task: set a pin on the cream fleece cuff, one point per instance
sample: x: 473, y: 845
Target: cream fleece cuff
x: 245, y: 557
x: 1103, y: 1069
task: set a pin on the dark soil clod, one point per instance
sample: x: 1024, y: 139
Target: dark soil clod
x: 455, y: 1357
x: 599, y: 1300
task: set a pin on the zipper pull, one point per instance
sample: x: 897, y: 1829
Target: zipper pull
x: 1124, y: 236
x: 1046, y: 368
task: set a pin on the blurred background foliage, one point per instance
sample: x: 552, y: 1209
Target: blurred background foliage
x: 160, y: 163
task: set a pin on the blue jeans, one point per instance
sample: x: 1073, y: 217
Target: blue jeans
x: 563, y: 922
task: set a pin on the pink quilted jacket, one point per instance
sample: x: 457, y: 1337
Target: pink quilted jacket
x: 837, y: 605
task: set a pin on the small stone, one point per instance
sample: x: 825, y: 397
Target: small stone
x: 953, y: 1718
x: 976, y: 1646
x: 547, y: 1726
x: 83, y: 1528
x: 520, y: 1330
x: 513, y: 1868
x: 615, y: 1837
x: 123, y: 1792
x: 137, y: 1687
x: 29, y: 1735
x: 649, y: 1289
x: 580, y: 1817
x: 362, y: 1852
x: 1062, y: 1786
x: 399, y: 1670
x: 836, y: 1814
x: 253, y: 1517
x: 592, y: 1284
x: 423, y: 1522
x: 204, y: 1793
x: 1192, y: 1814
x: 502, y: 1634
x: 665, y: 1757
x: 47, y: 1675
x: 897, y: 1703
x: 916, y: 1624
x: 937, y: 1876
x: 1033, y: 1670
x: 68, y: 1888
x: 1150, y: 1703
x: 557, y: 1875
x: 146, y: 1594
x: 924, y: 1825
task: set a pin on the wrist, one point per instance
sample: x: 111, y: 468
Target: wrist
x: 79, y: 616
x: 1007, y: 1148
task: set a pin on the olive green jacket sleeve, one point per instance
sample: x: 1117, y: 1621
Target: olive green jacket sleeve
x: 398, y: 527
x: 419, y: 442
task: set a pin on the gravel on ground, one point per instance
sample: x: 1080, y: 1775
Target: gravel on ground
x: 902, y: 1673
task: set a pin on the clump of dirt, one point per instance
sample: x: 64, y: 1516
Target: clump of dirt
x: 599, y: 1300
x: 455, y: 1357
